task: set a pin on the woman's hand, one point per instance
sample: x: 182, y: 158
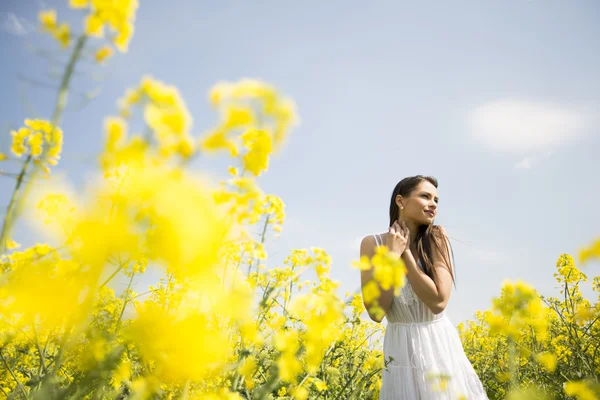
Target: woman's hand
x: 398, y: 237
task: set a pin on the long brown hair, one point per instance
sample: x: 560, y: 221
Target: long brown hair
x: 427, y: 235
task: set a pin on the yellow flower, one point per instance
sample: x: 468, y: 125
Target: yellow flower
x: 103, y: 53
x: 233, y: 171
x: 35, y: 134
x: 183, y: 345
x: 123, y: 37
x: 364, y: 263
x: 3, y: 156
x: 11, y: 244
x: 388, y: 270
x: 357, y: 304
x: 259, y: 146
x: 94, y: 26
x: 250, y: 104
x: 217, y: 140
x: 115, y: 132
x: 567, y: 271
x: 528, y: 393
x: 118, y: 15
x: 62, y: 33
x: 439, y: 382
x: 236, y: 116
x: 289, y: 367
x: 584, y: 313
x: 121, y: 374
x: 370, y: 292
x: 590, y: 252
x: 35, y: 143
x: 247, y: 370
x: 79, y: 3
x: 18, y: 143
x: 49, y: 290
x: 48, y: 20
x: 320, y: 385
x: 548, y: 360
x: 300, y: 393
x: 581, y: 390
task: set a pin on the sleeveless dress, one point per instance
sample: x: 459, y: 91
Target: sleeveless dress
x: 429, y: 362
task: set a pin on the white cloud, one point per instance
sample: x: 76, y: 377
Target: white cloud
x: 522, y: 126
x: 15, y: 25
x: 530, y: 161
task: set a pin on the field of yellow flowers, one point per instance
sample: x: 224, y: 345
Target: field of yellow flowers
x: 220, y: 323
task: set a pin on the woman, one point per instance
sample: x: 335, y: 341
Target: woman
x: 428, y: 360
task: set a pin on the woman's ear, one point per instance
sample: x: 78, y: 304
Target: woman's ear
x: 399, y: 202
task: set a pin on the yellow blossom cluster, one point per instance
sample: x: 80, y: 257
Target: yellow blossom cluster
x: 519, y: 305
x: 39, y: 140
x: 61, y: 32
x: 389, y: 272
x: 254, y: 117
x: 168, y: 124
x: 531, y: 347
x: 118, y: 15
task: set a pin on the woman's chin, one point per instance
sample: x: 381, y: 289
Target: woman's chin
x: 427, y: 221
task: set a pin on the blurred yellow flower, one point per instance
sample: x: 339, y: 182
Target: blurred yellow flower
x: 48, y: 20
x: 11, y: 244
x: 590, y: 252
x: 48, y: 290
x: 183, y: 345
x: 581, y: 390
x: 43, y: 141
x: 18, y: 142
x: 548, y: 360
x: 94, y: 26
x: 300, y: 393
x: 103, y: 53
x: 79, y: 3
x: 62, y: 33
x: 259, y: 146
x: 118, y: 15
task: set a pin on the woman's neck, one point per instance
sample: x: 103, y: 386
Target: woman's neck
x: 413, y: 227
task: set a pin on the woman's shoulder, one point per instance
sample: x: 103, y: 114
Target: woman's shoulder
x: 373, y: 239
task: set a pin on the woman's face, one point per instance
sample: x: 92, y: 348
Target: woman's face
x: 421, y: 205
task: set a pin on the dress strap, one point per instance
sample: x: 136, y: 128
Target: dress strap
x: 379, y: 241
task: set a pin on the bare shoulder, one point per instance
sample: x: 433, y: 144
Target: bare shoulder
x: 368, y: 244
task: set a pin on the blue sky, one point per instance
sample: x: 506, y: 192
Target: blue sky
x: 498, y: 100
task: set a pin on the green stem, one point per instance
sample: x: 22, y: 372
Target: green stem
x: 19, y: 385
x: 186, y: 390
x: 124, y: 304
x: 61, y: 102
x: 39, y: 349
x: 512, y: 363
x: 121, y: 265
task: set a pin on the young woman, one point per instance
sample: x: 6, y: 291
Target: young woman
x: 428, y: 360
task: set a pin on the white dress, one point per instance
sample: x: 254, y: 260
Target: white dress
x: 425, y: 348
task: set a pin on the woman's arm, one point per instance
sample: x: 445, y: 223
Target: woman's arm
x: 434, y: 295
x: 379, y: 307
